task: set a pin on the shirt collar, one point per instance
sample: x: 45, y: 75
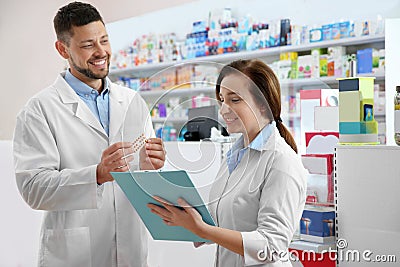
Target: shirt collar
x: 258, y: 143
x: 82, y: 88
x: 262, y: 138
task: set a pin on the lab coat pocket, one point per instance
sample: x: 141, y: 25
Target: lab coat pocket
x: 67, y: 247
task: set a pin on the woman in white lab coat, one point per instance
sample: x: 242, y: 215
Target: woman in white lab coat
x: 259, y: 194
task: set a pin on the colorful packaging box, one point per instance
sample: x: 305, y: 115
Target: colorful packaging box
x: 304, y: 66
x: 318, y: 225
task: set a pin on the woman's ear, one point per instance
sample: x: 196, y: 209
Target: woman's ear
x: 62, y: 49
x: 264, y: 108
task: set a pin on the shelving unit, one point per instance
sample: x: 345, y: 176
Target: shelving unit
x: 366, y: 197
x: 289, y: 88
x: 139, y: 71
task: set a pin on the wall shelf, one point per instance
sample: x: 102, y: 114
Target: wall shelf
x: 284, y: 83
x: 262, y: 53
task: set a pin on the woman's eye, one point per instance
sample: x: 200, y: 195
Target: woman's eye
x: 234, y: 100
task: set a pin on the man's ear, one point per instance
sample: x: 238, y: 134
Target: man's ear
x: 62, y: 49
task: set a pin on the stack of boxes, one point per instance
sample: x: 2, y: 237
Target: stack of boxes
x: 321, y: 136
x: 356, y: 111
x: 319, y: 129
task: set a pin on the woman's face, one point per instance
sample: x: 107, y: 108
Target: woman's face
x: 239, y: 110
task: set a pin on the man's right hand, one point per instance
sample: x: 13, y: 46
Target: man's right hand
x: 115, y: 158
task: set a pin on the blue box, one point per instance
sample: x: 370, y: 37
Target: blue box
x: 364, y: 60
x: 315, y: 35
x: 344, y: 29
x: 318, y: 223
x: 366, y: 127
x: 335, y: 31
x: 327, y: 32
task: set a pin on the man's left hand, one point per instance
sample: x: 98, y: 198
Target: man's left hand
x: 152, y: 154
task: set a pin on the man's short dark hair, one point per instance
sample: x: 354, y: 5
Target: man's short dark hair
x: 74, y: 14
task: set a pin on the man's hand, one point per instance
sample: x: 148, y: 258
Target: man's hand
x: 152, y: 154
x: 115, y: 158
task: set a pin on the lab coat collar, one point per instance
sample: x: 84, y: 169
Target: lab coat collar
x: 118, y: 109
x: 78, y: 107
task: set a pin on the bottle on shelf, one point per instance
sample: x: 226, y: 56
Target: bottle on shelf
x: 397, y: 116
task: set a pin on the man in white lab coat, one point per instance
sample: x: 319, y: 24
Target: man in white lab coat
x: 68, y: 139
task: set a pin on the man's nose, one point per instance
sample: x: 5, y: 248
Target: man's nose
x: 100, y: 50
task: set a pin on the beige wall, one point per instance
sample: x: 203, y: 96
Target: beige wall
x: 29, y: 59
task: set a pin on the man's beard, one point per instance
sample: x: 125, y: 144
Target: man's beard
x: 88, y: 73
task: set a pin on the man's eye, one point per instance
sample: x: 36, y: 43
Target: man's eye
x: 87, y: 46
x: 104, y: 41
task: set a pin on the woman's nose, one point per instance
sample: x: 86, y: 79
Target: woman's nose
x: 224, y: 109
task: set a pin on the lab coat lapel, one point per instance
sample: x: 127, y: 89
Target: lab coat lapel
x: 78, y: 107
x: 117, y: 111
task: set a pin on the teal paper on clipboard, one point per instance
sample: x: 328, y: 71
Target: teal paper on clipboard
x: 141, y: 186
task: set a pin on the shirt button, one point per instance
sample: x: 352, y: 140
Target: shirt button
x: 86, y: 95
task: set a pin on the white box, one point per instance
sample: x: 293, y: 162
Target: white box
x: 326, y: 118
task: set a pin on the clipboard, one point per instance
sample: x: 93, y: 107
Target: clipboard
x: 140, y: 186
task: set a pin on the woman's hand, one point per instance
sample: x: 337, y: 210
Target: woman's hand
x: 185, y: 216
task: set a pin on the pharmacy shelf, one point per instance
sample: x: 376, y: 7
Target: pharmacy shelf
x: 288, y: 117
x: 177, y: 92
x: 284, y: 83
x: 171, y: 120
x: 324, y: 80
x: 151, y: 69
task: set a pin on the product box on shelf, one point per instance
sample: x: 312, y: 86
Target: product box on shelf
x: 364, y: 60
x: 318, y: 225
x: 331, y: 66
x: 304, y: 66
x: 285, y: 30
x: 327, y: 32
x: 323, y: 65
x: 315, y: 63
x: 321, y: 142
x: 336, y: 54
x: 335, y: 31
x: 316, y: 34
x: 326, y: 118
x: 318, y: 163
x: 320, y: 189
x: 309, y: 99
x: 345, y: 29
x: 356, y: 111
x: 284, y: 69
x: 320, y: 179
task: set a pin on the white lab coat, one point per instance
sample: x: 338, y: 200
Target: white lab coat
x: 263, y: 198
x: 57, y: 144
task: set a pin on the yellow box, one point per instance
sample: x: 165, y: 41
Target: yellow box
x: 349, y: 106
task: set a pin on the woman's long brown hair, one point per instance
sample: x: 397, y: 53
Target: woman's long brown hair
x: 266, y: 82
